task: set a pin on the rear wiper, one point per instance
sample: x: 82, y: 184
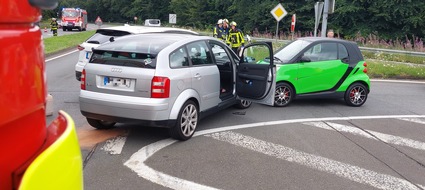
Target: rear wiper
x: 93, y: 42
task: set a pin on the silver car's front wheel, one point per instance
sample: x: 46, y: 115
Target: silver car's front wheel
x: 187, y: 122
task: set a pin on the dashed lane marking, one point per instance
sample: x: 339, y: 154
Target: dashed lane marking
x: 396, y: 140
x: 353, y: 173
x: 115, y: 145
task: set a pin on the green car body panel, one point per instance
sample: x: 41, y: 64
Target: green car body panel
x: 325, y: 77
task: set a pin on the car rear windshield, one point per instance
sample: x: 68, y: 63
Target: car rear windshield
x: 101, y: 36
x: 135, y: 51
x: 127, y: 59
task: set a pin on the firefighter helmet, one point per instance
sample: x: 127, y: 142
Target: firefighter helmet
x: 220, y: 21
x: 53, y: 19
x: 225, y: 20
x: 233, y: 23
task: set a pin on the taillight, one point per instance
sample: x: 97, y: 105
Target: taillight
x: 80, y: 48
x: 365, y: 69
x: 83, y: 80
x: 160, y: 87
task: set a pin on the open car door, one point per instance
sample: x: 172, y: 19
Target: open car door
x: 256, y: 74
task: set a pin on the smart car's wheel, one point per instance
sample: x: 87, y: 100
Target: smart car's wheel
x: 100, y: 124
x: 187, y: 121
x: 283, y: 94
x: 356, y: 95
x: 243, y: 104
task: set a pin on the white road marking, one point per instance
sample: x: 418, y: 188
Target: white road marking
x: 384, y: 137
x: 63, y: 55
x: 115, y: 145
x: 414, y: 120
x: 136, y: 161
x: 353, y: 173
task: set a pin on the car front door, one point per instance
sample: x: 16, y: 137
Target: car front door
x: 256, y: 74
x: 323, y: 71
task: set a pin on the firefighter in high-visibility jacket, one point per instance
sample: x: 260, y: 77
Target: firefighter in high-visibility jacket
x: 54, y: 27
x: 235, y: 38
x: 219, y: 30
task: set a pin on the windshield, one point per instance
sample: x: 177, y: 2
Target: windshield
x: 291, y: 50
x: 69, y: 13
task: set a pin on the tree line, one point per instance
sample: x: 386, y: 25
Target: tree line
x: 386, y: 19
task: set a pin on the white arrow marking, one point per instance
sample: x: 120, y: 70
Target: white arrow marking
x: 384, y: 137
x: 353, y: 173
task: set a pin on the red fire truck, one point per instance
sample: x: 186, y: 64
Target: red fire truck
x: 33, y: 156
x: 74, y: 18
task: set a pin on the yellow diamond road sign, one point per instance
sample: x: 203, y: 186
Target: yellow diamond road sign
x: 279, y: 12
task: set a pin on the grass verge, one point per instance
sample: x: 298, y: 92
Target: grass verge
x: 388, y: 70
x: 58, y: 43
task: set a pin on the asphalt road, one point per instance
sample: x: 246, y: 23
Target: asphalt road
x: 46, y: 33
x: 312, y: 144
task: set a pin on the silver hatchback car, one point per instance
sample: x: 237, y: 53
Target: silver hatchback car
x: 172, y: 80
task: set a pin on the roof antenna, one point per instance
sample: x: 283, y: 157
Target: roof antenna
x: 111, y: 39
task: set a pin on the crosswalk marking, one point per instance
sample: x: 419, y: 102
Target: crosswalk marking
x: 414, y: 120
x: 396, y: 140
x: 354, y: 173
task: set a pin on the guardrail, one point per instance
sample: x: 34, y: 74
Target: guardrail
x: 413, y: 53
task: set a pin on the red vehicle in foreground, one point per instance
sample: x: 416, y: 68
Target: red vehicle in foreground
x: 33, y: 156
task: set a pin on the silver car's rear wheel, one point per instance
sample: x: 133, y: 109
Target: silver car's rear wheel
x: 187, y: 122
x: 100, y: 124
x: 243, y: 104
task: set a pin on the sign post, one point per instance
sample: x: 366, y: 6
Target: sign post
x: 293, y: 25
x: 318, y: 8
x: 278, y: 13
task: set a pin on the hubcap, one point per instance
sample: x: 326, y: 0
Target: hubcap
x: 189, y: 120
x: 245, y: 103
x: 282, y: 95
x: 357, y: 95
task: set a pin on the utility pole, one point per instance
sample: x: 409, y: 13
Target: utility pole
x: 325, y: 18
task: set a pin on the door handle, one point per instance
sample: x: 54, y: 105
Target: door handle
x: 198, y: 76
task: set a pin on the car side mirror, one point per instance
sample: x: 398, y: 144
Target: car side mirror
x: 305, y: 59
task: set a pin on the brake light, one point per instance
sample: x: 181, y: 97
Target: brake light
x: 83, y: 80
x: 160, y: 87
x: 365, y: 70
x: 80, y: 48
x: 365, y: 64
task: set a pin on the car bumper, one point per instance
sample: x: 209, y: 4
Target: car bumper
x: 120, y: 108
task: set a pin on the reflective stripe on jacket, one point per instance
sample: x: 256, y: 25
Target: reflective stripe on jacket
x: 235, y: 38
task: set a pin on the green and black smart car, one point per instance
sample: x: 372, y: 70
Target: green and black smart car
x: 323, y: 68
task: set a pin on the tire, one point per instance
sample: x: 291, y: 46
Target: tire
x: 187, y: 121
x: 243, y: 104
x: 100, y: 124
x: 283, y: 94
x: 64, y: 29
x: 79, y: 29
x: 356, y: 95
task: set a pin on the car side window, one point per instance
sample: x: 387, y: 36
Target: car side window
x: 220, y: 54
x: 179, y: 58
x: 199, y: 53
x: 342, y: 51
x: 322, y: 52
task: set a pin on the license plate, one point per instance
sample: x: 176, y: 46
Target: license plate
x: 116, y: 82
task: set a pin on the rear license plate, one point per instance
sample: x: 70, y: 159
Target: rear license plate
x: 116, y: 82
